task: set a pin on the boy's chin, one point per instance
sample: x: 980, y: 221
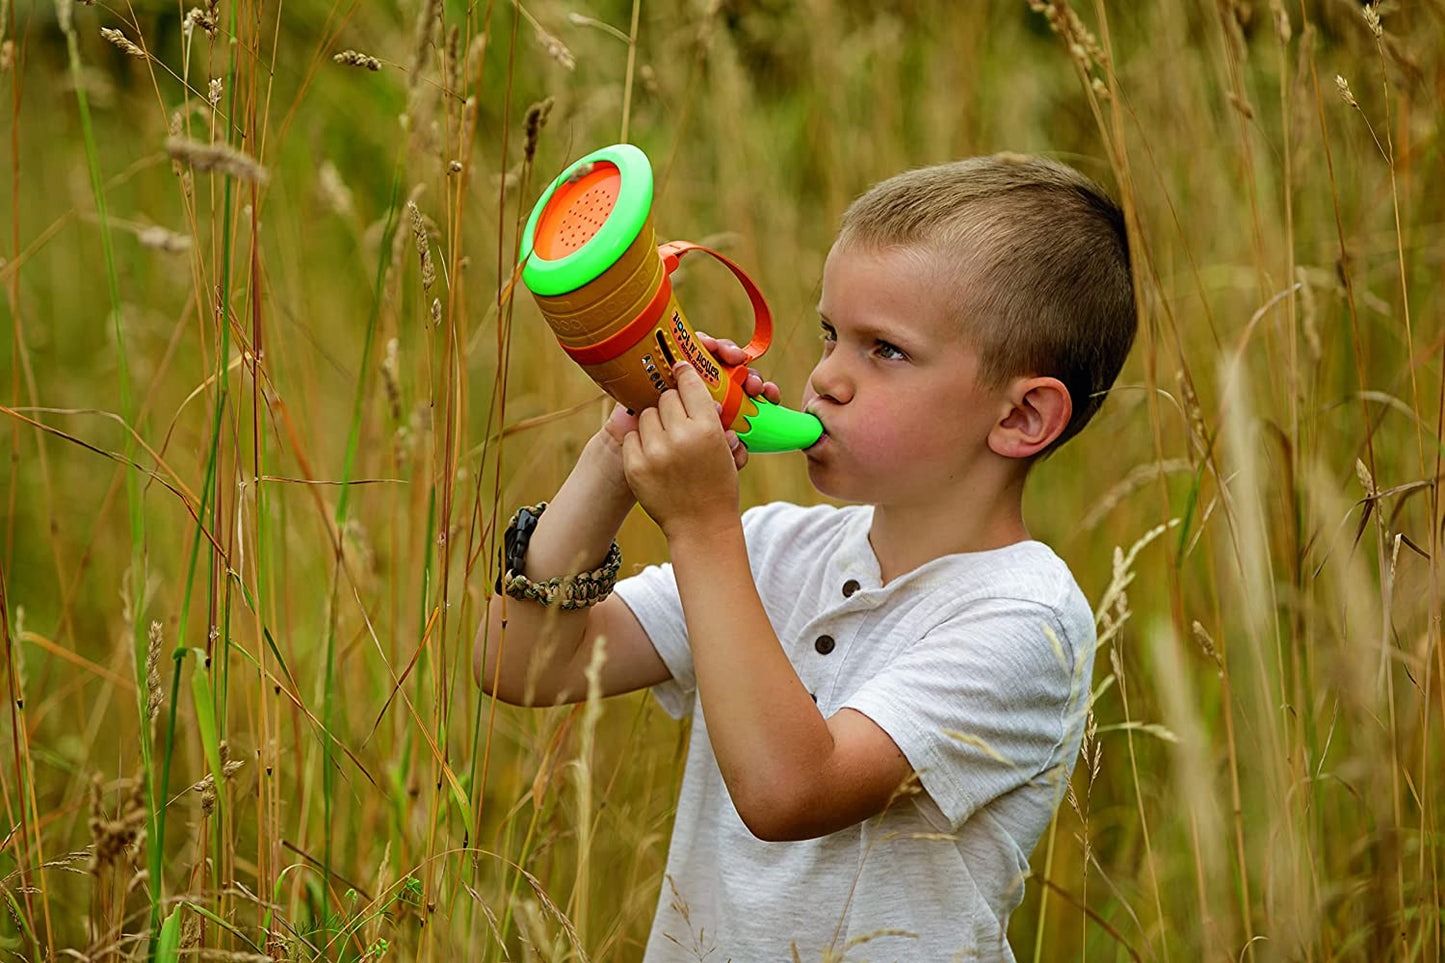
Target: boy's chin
x: 829, y: 486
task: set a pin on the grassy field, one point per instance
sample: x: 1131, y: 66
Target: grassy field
x: 255, y: 455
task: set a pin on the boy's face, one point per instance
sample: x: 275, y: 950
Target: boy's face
x: 905, y: 420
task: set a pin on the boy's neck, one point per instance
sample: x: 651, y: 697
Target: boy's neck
x: 905, y: 536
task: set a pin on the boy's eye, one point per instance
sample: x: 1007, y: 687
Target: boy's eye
x: 828, y: 336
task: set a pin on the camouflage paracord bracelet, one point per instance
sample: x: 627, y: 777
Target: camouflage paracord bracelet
x: 567, y: 591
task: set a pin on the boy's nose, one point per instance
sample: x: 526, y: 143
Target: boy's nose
x: 827, y: 382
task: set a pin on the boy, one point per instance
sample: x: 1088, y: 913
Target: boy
x: 915, y: 654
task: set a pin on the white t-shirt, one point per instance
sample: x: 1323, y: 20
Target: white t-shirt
x: 977, y: 665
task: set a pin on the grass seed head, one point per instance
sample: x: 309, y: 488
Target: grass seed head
x: 115, y: 837
x: 333, y: 190
x: 205, y: 19
x: 154, y: 696
x: 355, y: 58
x: 216, y: 157
x: 423, y: 247
x: 536, y: 119
x: 162, y: 239
x: 1371, y: 14
x: 120, y: 40
x: 1345, y: 94
x: 556, y: 49
x: 454, y: 60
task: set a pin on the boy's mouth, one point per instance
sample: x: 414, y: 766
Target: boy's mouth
x: 821, y: 438
x: 817, y: 444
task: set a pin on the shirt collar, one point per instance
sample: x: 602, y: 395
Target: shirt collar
x: 856, y: 560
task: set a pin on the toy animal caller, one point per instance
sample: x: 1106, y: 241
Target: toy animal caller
x: 605, y: 287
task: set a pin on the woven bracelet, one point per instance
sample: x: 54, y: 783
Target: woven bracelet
x: 566, y: 591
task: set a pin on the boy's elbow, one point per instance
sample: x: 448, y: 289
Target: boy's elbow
x: 486, y: 675
x: 778, y: 819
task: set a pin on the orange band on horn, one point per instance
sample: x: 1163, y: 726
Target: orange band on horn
x: 605, y: 351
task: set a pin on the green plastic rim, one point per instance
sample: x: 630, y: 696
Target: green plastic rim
x: 549, y: 277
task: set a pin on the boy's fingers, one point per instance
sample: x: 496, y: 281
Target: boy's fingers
x: 693, y: 393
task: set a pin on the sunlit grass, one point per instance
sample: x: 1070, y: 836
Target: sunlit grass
x: 317, y: 452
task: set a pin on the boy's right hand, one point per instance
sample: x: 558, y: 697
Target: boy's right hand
x: 726, y: 351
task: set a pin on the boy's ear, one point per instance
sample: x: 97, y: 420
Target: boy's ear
x: 1040, y: 413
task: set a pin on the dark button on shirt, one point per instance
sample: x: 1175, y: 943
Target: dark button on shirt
x: 850, y: 586
x: 824, y: 645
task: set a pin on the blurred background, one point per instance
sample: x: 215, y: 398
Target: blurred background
x: 255, y: 459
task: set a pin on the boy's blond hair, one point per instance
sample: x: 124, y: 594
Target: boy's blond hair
x: 1040, y: 264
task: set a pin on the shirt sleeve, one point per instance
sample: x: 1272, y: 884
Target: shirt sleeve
x: 982, y: 704
x: 652, y: 596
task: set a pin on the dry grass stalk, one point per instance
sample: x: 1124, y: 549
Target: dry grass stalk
x: 1282, y: 28
x: 389, y: 379
x: 475, y: 51
x: 1083, y: 46
x: 206, y: 786
x: 1198, y: 430
x: 7, y: 55
x: 454, y: 60
x: 216, y: 157
x: 205, y: 19
x: 532, y: 126
x: 154, y: 696
x: 161, y: 239
x: 334, y: 192
x: 1371, y: 14
x: 469, y: 124
x: 425, y: 25
x: 555, y: 48
x: 355, y: 58
x: 120, y: 40
x: 1345, y: 93
x: 64, y: 16
x: 1309, y: 316
x: 1201, y: 635
x: 423, y: 246
x: 120, y: 836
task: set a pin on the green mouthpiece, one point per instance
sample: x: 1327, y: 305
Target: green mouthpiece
x: 775, y: 428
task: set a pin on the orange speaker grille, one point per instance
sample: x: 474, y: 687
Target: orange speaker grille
x: 577, y: 211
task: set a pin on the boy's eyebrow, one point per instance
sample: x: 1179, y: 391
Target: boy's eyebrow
x: 899, y: 338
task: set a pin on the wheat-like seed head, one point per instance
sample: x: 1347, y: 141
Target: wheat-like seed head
x: 355, y: 58
x: 1345, y: 93
x: 216, y: 157
x: 120, y: 40
x: 423, y: 246
x: 532, y: 127
x: 556, y: 49
x: 154, y: 697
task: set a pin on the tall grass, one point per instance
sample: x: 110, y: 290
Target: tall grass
x: 320, y: 429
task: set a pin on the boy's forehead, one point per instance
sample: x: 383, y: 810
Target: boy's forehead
x: 911, y: 287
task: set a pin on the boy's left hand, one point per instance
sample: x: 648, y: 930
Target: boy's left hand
x: 680, y: 463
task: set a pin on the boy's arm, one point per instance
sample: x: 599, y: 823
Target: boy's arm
x: 791, y: 773
x: 536, y: 661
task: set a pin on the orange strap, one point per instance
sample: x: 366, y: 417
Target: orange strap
x: 762, y: 326
x: 673, y: 251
